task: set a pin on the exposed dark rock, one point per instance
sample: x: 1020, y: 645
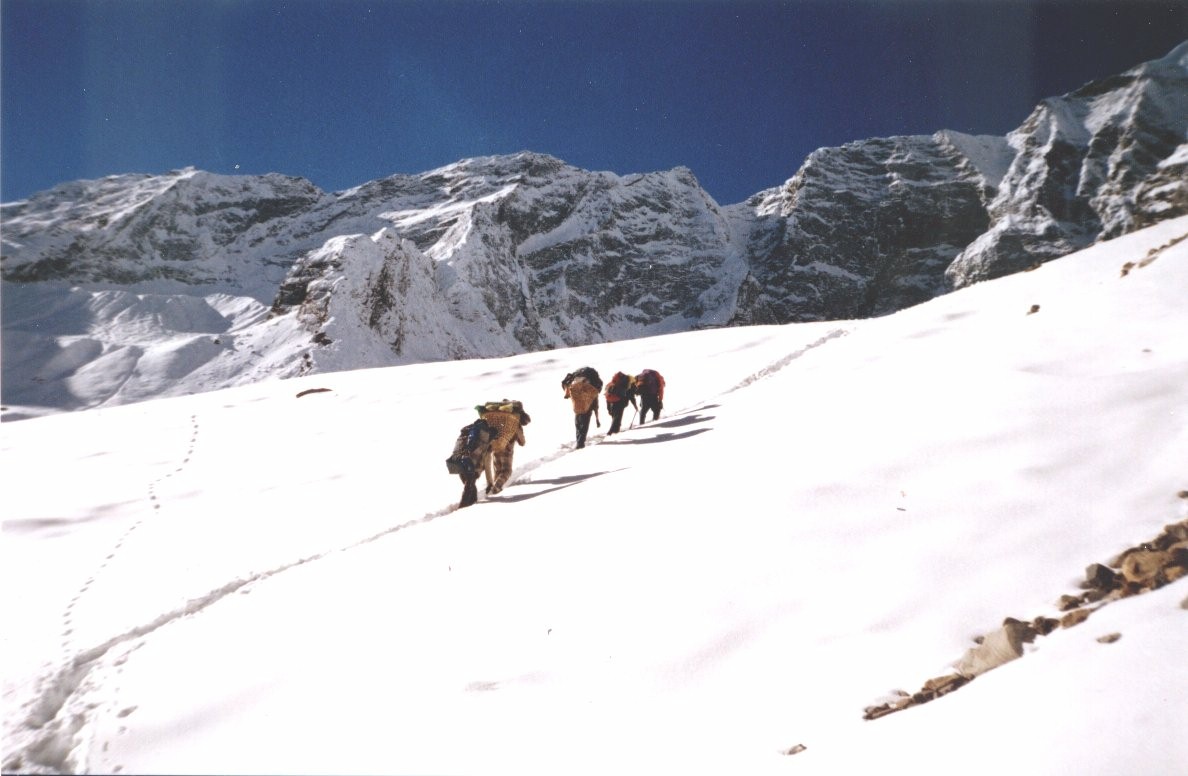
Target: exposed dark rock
x: 1100, y: 576
x: 1146, y: 566
x: 1098, y: 163
x: 1068, y: 602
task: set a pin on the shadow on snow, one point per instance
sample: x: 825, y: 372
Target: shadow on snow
x: 559, y: 483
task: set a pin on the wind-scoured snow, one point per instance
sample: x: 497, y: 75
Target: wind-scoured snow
x: 273, y: 578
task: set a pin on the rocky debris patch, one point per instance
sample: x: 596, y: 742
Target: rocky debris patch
x: 1140, y: 569
x: 1152, y: 254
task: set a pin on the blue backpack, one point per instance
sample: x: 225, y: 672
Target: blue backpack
x: 470, y: 439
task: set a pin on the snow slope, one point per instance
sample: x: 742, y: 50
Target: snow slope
x: 251, y: 581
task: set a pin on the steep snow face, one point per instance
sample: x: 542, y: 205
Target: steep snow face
x: 370, y: 300
x: 1090, y: 165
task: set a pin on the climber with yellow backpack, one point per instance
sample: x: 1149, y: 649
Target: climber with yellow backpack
x: 488, y: 445
x: 581, y: 387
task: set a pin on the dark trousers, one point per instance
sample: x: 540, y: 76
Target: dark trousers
x: 616, y: 410
x: 652, y: 403
x: 581, y: 423
x: 469, y: 490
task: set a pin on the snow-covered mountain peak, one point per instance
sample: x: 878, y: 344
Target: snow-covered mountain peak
x: 497, y: 171
x: 502, y: 254
x: 1088, y: 165
x: 1176, y: 59
x: 85, y: 203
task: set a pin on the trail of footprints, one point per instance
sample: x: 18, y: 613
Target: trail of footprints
x: 51, y: 726
x: 68, y: 646
x: 48, y: 750
x: 50, y: 747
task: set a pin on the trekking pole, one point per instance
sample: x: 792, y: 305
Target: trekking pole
x: 635, y: 411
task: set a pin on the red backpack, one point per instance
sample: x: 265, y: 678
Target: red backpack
x: 617, y: 388
x: 651, y: 382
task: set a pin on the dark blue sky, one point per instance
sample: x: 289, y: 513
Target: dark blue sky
x: 346, y: 91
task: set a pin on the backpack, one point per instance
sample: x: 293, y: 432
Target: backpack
x: 507, y: 405
x: 587, y: 372
x: 470, y: 439
x: 619, y: 387
x: 651, y: 382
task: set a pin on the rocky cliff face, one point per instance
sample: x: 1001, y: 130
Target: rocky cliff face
x: 506, y: 254
x: 1094, y: 164
x: 868, y: 228
x: 529, y: 252
x: 189, y: 227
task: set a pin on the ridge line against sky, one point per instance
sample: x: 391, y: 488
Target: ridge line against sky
x: 346, y: 91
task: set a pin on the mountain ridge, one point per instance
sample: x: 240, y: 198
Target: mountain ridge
x: 506, y: 254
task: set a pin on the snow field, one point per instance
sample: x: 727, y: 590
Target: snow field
x: 827, y: 513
